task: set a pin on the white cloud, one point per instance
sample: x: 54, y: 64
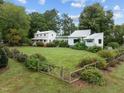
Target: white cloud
x: 117, y: 8
x: 77, y: 5
x: 118, y: 12
x: 42, y: 2
x: 28, y: 11
x: 75, y: 17
x: 23, y: 1
x: 103, y: 1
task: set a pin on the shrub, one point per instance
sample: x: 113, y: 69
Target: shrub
x: 17, y: 55
x: 93, y: 76
x: 3, y: 57
x: 79, y: 46
x: 21, y: 57
x: 51, y: 44
x: 56, y: 42
x: 107, y: 53
x: 63, y: 44
x: 40, y: 44
x: 94, y: 49
x: 8, y: 52
x: 89, y: 60
x: 37, y: 61
x: 113, y: 45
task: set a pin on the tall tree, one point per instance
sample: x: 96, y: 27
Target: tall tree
x: 52, y: 20
x: 67, y: 25
x: 1, y: 1
x: 13, y: 17
x: 38, y: 22
x: 94, y: 17
x: 118, y: 34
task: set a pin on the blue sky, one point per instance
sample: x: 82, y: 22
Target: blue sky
x: 73, y: 7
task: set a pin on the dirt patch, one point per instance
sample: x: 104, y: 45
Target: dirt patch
x: 3, y: 69
x: 79, y: 84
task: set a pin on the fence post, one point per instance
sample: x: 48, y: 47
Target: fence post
x: 61, y: 73
x: 70, y: 77
x: 38, y: 66
x: 48, y: 69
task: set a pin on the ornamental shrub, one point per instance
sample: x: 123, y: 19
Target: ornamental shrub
x: 94, y: 49
x: 79, y: 46
x: 40, y: 44
x: 3, y: 57
x: 17, y: 55
x: 114, y: 45
x: 63, y: 43
x: 51, y: 44
x: 92, y: 75
x: 37, y: 61
x: 89, y: 60
x: 108, y: 53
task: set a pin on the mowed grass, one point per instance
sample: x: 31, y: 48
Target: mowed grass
x: 18, y: 79
x: 65, y: 57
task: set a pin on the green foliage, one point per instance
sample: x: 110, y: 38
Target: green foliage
x: 113, y: 45
x: 94, y: 49
x: 13, y: 38
x: 108, y: 53
x: 13, y: 17
x: 118, y: 32
x: 63, y: 43
x: 38, y: 22
x: 93, y: 76
x: 1, y: 1
x: 51, y: 44
x: 17, y: 55
x: 101, y: 64
x: 79, y: 46
x: 94, y: 17
x: 40, y: 44
x: 37, y: 61
x: 8, y: 52
x: 67, y: 24
x: 3, y: 58
x: 52, y: 20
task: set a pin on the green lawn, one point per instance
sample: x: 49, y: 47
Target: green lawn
x: 65, y: 57
x: 17, y: 79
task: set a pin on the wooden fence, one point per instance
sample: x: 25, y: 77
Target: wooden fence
x: 64, y: 73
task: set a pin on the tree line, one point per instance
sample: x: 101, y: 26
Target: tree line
x: 18, y: 27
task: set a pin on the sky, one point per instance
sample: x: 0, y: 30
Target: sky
x: 73, y: 7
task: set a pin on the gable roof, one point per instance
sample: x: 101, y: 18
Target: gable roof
x: 39, y: 32
x: 95, y: 35
x: 80, y: 33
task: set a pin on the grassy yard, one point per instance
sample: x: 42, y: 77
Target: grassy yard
x: 17, y: 79
x: 65, y: 57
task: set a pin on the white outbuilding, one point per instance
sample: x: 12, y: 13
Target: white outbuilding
x: 78, y: 36
x: 95, y: 39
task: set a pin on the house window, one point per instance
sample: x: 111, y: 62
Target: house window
x: 100, y: 41
x: 44, y: 34
x: 89, y: 40
x: 52, y: 34
x: 44, y: 40
x: 76, y: 40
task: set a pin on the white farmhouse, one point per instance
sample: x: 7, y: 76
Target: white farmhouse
x: 78, y: 36
x: 85, y: 36
x: 44, y: 36
x: 95, y: 39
